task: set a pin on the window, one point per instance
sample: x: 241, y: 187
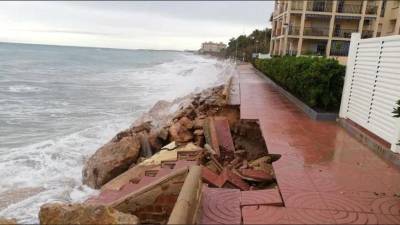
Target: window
x: 396, y: 4
x: 383, y: 8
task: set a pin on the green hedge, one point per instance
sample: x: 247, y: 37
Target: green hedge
x: 316, y: 81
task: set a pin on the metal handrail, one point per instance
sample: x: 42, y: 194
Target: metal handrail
x: 297, y: 5
x: 318, y: 6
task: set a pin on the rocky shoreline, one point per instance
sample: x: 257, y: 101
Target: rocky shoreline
x: 153, y: 171
x: 152, y: 131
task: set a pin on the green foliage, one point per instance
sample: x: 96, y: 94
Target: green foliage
x: 317, y: 81
x: 257, y: 41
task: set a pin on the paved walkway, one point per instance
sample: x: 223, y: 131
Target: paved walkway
x: 324, y: 175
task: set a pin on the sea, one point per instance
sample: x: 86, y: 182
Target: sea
x: 59, y: 104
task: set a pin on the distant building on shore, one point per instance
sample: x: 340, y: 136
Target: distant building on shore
x: 324, y: 27
x: 211, y: 47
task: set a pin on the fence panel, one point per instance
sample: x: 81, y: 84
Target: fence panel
x: 372, y: 86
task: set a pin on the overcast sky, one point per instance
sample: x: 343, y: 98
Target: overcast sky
x: 149, y: 25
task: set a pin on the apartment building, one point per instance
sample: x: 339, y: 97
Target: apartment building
x: 324, y: 27
x: 389, y: 22
x: 211, y: 47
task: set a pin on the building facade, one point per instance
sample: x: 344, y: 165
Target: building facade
x: 324, y: 27
x: 211, y: 47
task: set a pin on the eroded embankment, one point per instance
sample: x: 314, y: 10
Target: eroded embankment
x: 143, y: 172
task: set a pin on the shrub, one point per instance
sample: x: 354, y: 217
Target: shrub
x: 317, y: 81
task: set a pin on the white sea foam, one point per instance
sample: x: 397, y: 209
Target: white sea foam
x: 24, y: 89
x: 54, y: 165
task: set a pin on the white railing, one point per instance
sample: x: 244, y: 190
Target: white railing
x: 372, y: 86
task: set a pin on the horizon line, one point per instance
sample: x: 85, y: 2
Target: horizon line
x: 75, y: 46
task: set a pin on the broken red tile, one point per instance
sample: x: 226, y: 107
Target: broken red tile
x: 258, y: 175
x: 230, y: 178
x: 224, y: 134
x: 210, y: 177
x: 261, y: 197
x: 220, y: 206
x: 210, y: 135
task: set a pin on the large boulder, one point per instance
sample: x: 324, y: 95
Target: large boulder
x: 58, y: 213
x: 179, y: 133
x: 111, y: 160
x: 7, y: 221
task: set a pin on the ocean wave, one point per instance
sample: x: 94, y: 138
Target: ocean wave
x: 51, y: 170
x: 53, y: 166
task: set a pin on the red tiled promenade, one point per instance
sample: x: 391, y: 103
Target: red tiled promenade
x: 324, y: 175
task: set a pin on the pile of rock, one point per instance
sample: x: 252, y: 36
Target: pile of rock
x: 145, y: 139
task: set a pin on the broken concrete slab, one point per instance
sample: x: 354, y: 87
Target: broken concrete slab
x: 189, y: 200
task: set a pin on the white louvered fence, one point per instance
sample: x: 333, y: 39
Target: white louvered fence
x: 372, y: 86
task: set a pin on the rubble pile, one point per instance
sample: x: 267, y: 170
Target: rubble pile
x: 228, y: 166
x: 144, y: 139
x: 154, y: 171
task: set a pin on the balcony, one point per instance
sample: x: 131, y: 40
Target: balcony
x: 319, y: 6
x: 294, y: 30
x: 344, y: 33
x: 349, y: 8
x: 371, y: 10
x: 291, y: 52
x: 278, y: 32
x: 297, y: 5
x: 316, y: 31
x: 367, y: 34
x: 340, y: 48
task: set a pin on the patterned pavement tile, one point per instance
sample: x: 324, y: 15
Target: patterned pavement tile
x: 303, y: 200
x: 220, y: 206
x: 347, y: 201
x: 344, y: 217
x: 265, y: 215
x: 261, y: 197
